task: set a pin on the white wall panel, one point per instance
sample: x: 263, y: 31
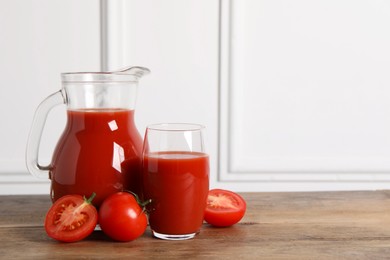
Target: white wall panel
x: 39, y: 40
x: 304, y: 94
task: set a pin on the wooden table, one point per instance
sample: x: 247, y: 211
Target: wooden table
x: 322, y: 225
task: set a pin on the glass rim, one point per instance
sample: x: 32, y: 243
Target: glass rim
x: 127, y: 74
x: 84, y: 77
x: 175, y: 127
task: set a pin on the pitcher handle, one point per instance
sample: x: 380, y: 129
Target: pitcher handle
x: 34, y: 138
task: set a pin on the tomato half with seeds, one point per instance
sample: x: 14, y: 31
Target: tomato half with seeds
x: 71, y: 218
x: 224, y: 208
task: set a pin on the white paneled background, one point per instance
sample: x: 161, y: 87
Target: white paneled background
x: 39, y: 40
x: 294, y: 94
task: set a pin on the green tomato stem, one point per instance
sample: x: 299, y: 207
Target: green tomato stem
x: 89, y: 200
x: 140, y: 203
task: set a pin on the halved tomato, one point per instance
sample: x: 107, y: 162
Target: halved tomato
x: 71, y: 218
x: 224, y: 208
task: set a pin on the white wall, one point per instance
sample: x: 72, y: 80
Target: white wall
x: 304, y: 94
x: 39, y: 40
x: 293, y: 93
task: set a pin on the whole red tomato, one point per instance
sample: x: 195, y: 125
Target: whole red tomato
x: 121, y: 217
x: 224, y: 208
x: 71, y: 218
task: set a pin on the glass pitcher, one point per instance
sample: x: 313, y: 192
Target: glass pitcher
x: 100, y: 149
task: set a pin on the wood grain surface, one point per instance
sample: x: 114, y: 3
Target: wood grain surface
x: 304, y: 225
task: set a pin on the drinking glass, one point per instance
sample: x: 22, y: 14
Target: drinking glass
x: 176, y: 179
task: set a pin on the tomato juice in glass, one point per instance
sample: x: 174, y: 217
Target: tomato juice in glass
x: 99, y: 151
x: 178, y: 184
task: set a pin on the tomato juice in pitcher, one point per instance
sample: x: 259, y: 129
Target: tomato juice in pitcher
x: 100, y: 149
x: 108, y: 148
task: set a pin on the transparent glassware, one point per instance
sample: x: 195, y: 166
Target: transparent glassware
x: 176, y: 179
x: 100, y: 149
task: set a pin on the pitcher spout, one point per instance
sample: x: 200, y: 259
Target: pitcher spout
x: 137, y: 71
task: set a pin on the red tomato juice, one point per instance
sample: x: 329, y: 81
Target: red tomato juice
x: 178, y: 184
x: 99, y: 151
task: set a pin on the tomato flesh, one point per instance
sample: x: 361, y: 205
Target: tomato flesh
x: 224, y: 208
x: 121, y: 217
x: 70, y: 219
